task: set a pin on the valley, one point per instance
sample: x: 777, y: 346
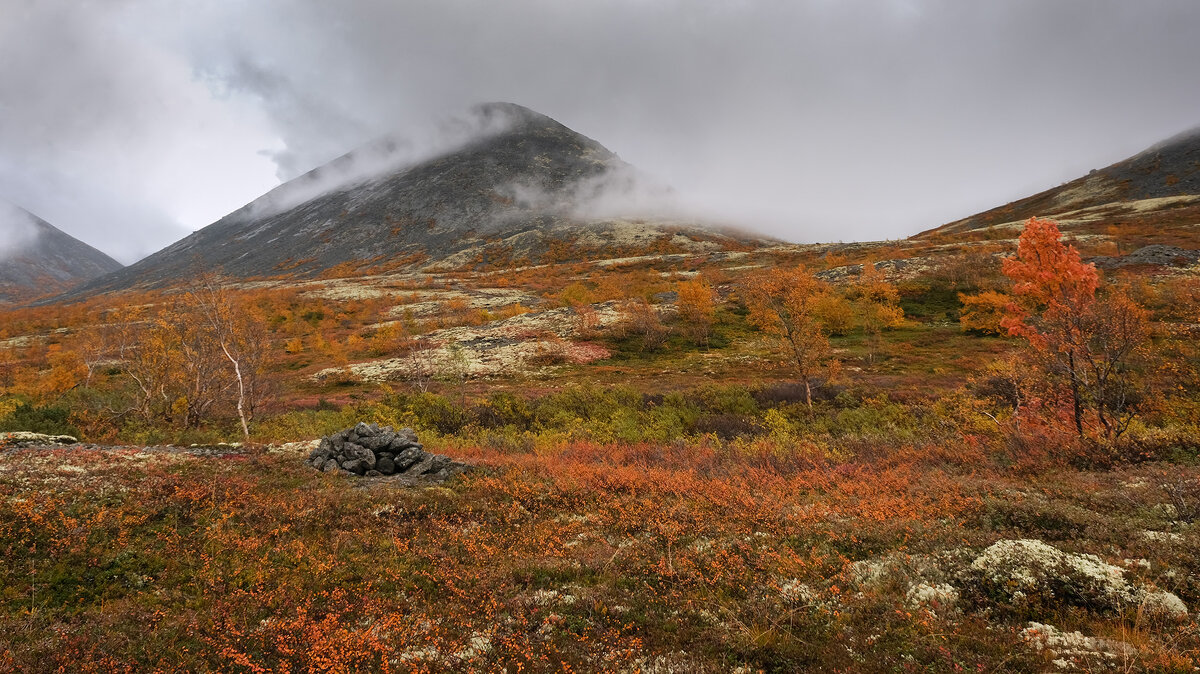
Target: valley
x: 676, y: 447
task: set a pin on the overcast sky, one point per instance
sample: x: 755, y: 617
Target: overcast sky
x: 129, y: 123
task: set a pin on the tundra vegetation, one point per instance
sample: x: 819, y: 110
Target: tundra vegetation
x: 912, y: 456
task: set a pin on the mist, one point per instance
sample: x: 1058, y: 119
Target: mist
x: 396, y: 151
x: 129, y: 124
x: 17, y: 230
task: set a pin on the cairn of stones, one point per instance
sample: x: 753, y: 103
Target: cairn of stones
x: 371, y: 450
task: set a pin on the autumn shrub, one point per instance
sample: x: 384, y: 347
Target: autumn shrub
x: 305, y: 424
x: 725, y: 400
x: 982, y: 313
x: 929, y: 300
x: 422, y: 411
x: 784, y: 392
x: 584, y: 403
x: 726, y: 426
x: 504, y: 409
x: 877, y: 419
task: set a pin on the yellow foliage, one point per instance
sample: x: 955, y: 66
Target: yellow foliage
x: 783, y: 303
x: 983, y: 312
x: 836, y: 313
x: 696, y: 304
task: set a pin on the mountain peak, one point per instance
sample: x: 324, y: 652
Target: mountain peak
x: 499, y: 184
x: 38, y: 258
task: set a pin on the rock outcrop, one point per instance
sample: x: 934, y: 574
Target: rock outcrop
x: 371, y: 450
x: 21, y: 439
x: 1157, y: 254
x: 1024, y: 576
x: 1032, y: 575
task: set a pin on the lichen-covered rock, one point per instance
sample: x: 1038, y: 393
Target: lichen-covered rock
x: 372, y: 451
x: 1164, y: 605
x: 1033, y: 576
x: 358, y: 452
x: 26, y: 439
x: 407, y: 458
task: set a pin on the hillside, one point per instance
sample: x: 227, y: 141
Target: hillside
x: 1153, y: 195
x: 37, y: 258
x: 650, y: 487
x: 528, y: 189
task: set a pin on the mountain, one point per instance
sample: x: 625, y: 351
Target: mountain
x: 37, y: 258
x: 1153, y: 195
x: 521, y: 188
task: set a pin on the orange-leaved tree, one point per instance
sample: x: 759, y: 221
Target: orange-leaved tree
x: 1087, y: 341
x: 786, y: 303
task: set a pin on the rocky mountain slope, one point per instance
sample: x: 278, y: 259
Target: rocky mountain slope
x: 527, y: 189
x: 1156, y: 191
x: 37, y: 258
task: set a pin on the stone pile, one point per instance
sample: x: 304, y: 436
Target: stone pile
x: 371, y: 450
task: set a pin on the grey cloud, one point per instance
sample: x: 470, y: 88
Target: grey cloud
x: 17, y: 230
x: 809, y: 119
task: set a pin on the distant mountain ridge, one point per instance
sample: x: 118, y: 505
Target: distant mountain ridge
x: 523, y: 188
x: 1158, y: 188
x: 37, y: 258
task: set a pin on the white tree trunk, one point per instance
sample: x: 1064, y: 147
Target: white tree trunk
x: 237, y: 370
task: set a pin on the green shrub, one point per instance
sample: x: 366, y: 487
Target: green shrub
x: 48, y: 419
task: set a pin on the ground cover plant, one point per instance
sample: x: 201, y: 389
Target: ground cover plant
x: 906, y: 457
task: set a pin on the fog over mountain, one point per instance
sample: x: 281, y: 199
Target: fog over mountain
x: 520, y: 190
x: 37, y: 258
x: 133, y: 123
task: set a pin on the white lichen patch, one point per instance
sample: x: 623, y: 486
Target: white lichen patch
x: 797, y: 593
x: 940, y: 597
x: 500, y: 347
x: 301, y: 447
x: 1164, y: 605
x: 1073, y: 650
x: 1028, y: 562
x: 1162, y: 536
x: 478, y: 645
x: 552, y: 598
x: 1028, y: 568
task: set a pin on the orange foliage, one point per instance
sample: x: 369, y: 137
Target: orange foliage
x: 784, y: 303
x: 984, y: 312
x: 1085, y: 340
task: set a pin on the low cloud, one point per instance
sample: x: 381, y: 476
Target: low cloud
x: 387, y: 155
x: 129, y: 123
x: 18, y: 231
x: 620, y: 192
